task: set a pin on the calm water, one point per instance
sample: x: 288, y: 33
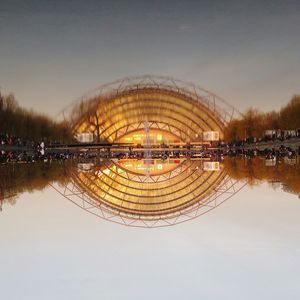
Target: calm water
x: 240, y: 238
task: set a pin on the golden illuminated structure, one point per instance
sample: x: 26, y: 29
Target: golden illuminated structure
x: 172, y: 111
x: 150, y: 192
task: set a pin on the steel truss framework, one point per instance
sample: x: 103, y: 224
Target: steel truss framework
x: 82, y: 196
x: 114, y: 110
x: 181, y: 120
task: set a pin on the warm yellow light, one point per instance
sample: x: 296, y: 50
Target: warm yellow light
x: 138, y: 137
x: 106, y: 171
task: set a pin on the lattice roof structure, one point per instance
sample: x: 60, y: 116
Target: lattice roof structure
x: 119, y: 108
x: 180, y: 192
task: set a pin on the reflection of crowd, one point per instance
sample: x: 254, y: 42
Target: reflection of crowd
x: 29, y: 156
x: 15, y: 149
x: 39, y: 155
x: 282, y: 151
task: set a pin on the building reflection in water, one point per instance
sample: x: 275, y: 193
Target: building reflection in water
x: 150, y: 192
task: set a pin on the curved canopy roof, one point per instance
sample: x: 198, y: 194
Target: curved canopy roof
x: 150, y: 192
x: 129, y: 105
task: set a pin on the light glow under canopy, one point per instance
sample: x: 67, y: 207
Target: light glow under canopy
x: 150, y: 111
x: 171, y: 110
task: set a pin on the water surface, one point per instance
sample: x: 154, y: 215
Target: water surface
x: 248, y: 247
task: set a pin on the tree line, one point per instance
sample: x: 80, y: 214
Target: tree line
x: 254, y: 123
x: 29, y: 125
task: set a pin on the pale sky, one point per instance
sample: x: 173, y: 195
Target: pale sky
x: 247, y: 248
x: 247, y: 52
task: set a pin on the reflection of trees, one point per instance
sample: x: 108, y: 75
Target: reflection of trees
x: 255, y: 171
x: 17, y: 178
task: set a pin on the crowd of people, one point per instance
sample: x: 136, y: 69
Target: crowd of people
x: 9, y: 141
x: 30, y: 156
x: 280, y: 137
x: 15, y: 149
x: 282, y: 151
